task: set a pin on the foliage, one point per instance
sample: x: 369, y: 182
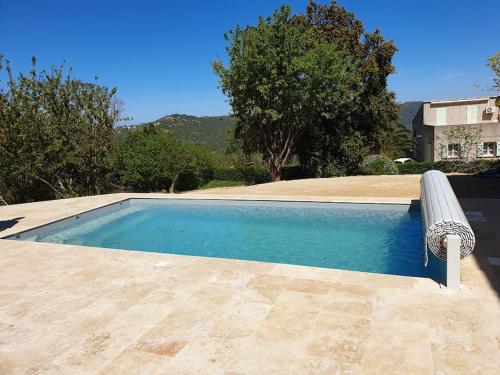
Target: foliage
x: 255, y: 174
x: 219, y: 183
x: 415, y: 167
x: 398, y: 144
x: 139, y: 164
x: 231, y: 173
x: 333, y: 170
x: 372, y: 116
x: 494, y: 64
x: 474, y: 166
x: 378, y: 165
x: 55, y: 135
x: 152, y: 159
x: 210, y: 131
x: 281, y: 81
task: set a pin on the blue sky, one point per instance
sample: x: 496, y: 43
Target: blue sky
x: 158, y: 53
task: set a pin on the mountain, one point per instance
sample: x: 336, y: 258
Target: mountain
x: 407, y: 112
x: 209, y: 131
x: 213, y: 131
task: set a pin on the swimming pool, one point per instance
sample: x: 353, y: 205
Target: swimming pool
x: 381, y: 238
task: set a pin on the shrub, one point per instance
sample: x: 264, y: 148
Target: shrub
x: 255, y: 174
x: 333, y: 170
x: 378, y: 165
x: 189, y: 180
x: 219, y: 183
x: 227, y: 174
x: 447, y: 166
x: 415, y: 167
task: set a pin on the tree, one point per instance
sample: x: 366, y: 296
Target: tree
x: 281, y: 81
x: 373, y: 115
x: 152, y: 159
x: 494, y: 64
x: 398, y: 144
x: 55, y: 134
x: 178, y: 159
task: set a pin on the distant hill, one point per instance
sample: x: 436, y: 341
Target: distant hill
x: 408, y: 111
x: 213, y: 131
x: 209, y: 131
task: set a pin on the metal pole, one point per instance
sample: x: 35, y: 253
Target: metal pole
x: 453, y: 261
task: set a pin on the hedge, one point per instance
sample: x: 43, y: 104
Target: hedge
x: 378, y: 165
x: 227, y: 174
x: 474, y: 166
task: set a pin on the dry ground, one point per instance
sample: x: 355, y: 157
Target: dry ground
x: 404, y: 186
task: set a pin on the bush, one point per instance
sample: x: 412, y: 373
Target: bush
x: 255, y: 174
x: 219, y: 183
x: 333, y: 170
x: 378, y: 165
x: 250, y: 174
x: 414, y: 167
x: 446, y: 166
x: 227, y: 174
x: 189, y: 180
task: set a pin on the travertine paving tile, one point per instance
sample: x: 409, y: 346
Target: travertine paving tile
x: 70, y: 309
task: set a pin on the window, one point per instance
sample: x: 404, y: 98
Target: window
x: 441, y: 116
x: 489, y: 149
x: 453, y: 151
x: 471, y: 114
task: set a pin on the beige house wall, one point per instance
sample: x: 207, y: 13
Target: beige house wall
x: 488, y: 133
x: 430, y: 137
x: 456, y: 112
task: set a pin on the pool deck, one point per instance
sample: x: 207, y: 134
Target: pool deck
x: 72, y: 309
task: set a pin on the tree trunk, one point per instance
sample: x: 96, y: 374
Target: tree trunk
x: 171, y: 189
x: 275, y: 173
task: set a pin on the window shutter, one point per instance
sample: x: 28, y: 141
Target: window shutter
x: 471, y: 114
x: 498, y: 148
x: 444, y: 151
x: 441, y: 116
x: 480, y: 148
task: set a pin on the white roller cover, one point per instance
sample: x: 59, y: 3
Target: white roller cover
x: 443, y: 215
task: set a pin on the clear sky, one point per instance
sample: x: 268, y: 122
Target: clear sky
x: 158, y: 53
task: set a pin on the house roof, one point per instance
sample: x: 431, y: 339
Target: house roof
x: 473, y: 99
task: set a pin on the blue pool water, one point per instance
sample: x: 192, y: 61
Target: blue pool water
x: 362, y: 237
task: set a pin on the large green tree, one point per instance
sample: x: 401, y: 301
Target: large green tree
x: 281, y: 81
x: 55, y: 134
x: 373, y: 114
x: 398, y: 143
x: 312, y: 84
x: 152, y: 159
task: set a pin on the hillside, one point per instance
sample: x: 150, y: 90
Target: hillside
x: 212, y: 131
x: 408, y: 111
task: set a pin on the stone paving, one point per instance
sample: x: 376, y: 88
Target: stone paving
x: 71, y: 309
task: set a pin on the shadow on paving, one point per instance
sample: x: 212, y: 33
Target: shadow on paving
x: 482, y: 194
x: 475, y: 187
x: 6, y: 224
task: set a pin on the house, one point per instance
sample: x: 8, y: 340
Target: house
x: 437, y: 123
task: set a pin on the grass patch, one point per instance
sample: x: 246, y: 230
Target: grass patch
x: 220, y: 183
